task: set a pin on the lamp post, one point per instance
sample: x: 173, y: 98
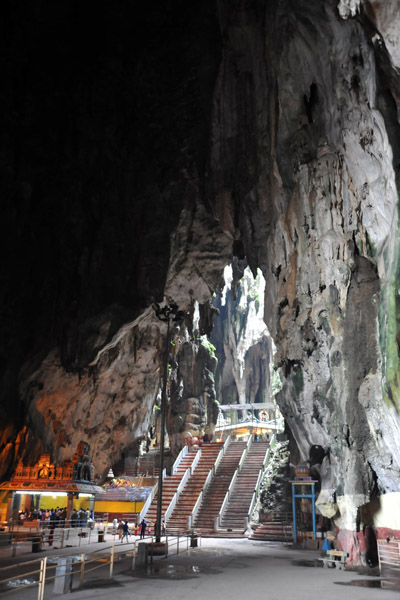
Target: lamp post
x: 167, y: 314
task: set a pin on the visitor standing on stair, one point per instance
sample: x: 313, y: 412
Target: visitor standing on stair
x: 143, y: 526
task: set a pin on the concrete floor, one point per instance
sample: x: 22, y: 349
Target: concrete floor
x: 221, y: 569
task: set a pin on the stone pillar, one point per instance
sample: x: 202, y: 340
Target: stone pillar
x: 10, y: 506
x: 70, y: 504
x: 91, y: 505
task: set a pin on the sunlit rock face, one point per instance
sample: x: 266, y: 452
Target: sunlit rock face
x: 138, y: 162
x: 242, y: 341
x: 334, y: 256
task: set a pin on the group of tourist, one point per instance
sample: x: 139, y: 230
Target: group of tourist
x: 57, y: 517
x: 123, y: 529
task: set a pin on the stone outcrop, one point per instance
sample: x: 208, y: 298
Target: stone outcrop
x: 139, y: 162
x: 192, y: 410
x: 333, y: 256
x: 242, y: 341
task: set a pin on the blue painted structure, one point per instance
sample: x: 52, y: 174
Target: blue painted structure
x: 302, y: 494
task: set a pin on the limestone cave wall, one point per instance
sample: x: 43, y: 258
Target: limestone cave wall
x: 142, y: 152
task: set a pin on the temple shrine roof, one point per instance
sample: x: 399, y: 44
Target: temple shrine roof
x: 74, y: 475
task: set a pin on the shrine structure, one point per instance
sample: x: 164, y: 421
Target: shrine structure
x: 72, y: 478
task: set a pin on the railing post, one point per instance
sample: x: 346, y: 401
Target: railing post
x: 62, y: 538
x: 177, y: 544
x: 42, y: 578
x: 82, y: 570
x: 134, y: 556
x: 112, y: 561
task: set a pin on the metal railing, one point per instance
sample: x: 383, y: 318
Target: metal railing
x: 196, y: 460
x: 222, y: 452
x: 174, y: 500
x: 182, y: 484
x: 178, y: 459
x: 52, y: 536
x: 199, y: 500
x: 14, y: 525
x: 150, y: 498
x: 389, y: 554
x: 257, y: 487
x: 175, y: 497
x: 218, y: 518
x: 74, y: 566
x: 207, y: 482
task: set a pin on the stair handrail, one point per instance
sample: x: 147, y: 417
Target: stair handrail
x: 178, y: 459
x: 196, y: 460
x: 264, y: 465
x: 178, y: 491
x: 150, y: 498
x: 182, y: 483
x: 210, y: 475
x: 259, y: 479
x: 219, y: 516
x: 244, y: 453
x: 222, y: 452
x: 199, y: 500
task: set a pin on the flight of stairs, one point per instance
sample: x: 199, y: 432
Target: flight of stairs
x: 170, y: 485
x: 233, y: 520
x: 148, y: 464
x: 178, y: 521
x: 274, y: 531
x: 216, y: 491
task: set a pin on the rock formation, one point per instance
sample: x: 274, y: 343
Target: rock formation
x: 242, y: 341
x: 141, y: 153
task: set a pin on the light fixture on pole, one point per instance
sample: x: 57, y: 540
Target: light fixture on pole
x: 169, y: 313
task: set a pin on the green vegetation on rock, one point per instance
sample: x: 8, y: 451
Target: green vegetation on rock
x: 208, y: 346
x: 389, y: 325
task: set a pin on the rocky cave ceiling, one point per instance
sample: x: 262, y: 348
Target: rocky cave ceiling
x: 142, y: 152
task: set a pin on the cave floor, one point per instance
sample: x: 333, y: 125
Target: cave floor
x: 225, y: 569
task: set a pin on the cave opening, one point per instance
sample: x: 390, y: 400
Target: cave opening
x: 245, y: 376
x: 240, y: 380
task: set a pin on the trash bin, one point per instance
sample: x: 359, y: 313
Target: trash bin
x: 100, y: 537
x: 193, y: 540
x: 37, y: 543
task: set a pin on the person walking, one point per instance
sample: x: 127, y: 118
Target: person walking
x: 143, y: 526
x: 125, y: 532
x: 120, y: 530
x: 115, y: 525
